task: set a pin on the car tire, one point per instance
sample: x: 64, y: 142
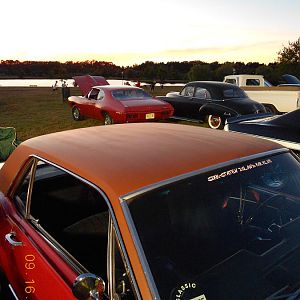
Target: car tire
x: 76, y: 114
x: 215, y: 122
x: 108, y: 119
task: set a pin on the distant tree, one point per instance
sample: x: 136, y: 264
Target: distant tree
x: 268, y: 72
x: 291, y: 53
x: 223, y: 70
x: 200, y: 72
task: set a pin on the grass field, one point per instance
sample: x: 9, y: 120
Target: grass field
x: 36, y: 111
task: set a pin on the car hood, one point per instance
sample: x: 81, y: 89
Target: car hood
x: 151, y: 104
x: 86, y: 82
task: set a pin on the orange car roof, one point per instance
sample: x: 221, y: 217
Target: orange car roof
x: 126, y: 157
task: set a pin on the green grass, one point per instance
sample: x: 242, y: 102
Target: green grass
x: 35, y: 111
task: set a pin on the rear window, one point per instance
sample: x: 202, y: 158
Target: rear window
x: 130, y: 94
x: 232, y: 92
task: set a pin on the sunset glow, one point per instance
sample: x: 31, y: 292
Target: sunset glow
x: 133, y: 32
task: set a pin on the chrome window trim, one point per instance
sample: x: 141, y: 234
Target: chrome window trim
x: 68, y: 258
x: 19, y: 177
x: 148, y: 188
x: 13, y: 291
x: 113, y: 243
x: 127, y: 214
x: 140, y: 251
x: 59, y: 249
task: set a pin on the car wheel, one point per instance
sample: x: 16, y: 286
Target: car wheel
x: 76, y: 114
x: 215, y: 122
x: 107, y: 119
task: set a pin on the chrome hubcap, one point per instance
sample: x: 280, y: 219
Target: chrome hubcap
x: 214, y: 121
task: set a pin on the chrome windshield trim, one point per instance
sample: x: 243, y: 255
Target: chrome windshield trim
x: 140, y: 251
x: 200, y: 171
x: 63, y: 253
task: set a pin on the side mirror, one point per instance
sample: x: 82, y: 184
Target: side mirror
x: 88, y: 286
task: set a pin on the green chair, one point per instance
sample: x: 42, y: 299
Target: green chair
x: 8, y: 142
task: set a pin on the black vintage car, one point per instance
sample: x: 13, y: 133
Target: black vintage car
x: 211, y: 101
x: 283, y: 129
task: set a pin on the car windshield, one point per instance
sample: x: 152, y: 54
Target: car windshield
x: 230, y: 233
x: 130, y: 94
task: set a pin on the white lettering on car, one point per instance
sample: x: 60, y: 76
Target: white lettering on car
x: 239, y: 170
x: 183, y: 288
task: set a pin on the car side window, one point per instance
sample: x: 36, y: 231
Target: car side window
x: 100, y: 95
x: 202, y: 93
x: 254, y: 81
x: 188, y: 91
x: 72, y: 212
x: 93, y: 94
x: 232, y: 81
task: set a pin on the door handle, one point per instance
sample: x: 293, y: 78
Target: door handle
x: 9, y: 237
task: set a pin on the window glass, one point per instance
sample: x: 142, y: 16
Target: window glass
x: 253, y: 81
x: 73, y: 213
x: 188, y: 91
x: 100, y: 95
x: 202, y: 93
x: 223, y: 224
x: 229, y: 93
x: 93, y: 94
x: 130, y: 94
x: 122, y: 283
x: 232, y: 81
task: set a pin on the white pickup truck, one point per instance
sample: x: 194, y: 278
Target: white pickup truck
x: 276, y: 99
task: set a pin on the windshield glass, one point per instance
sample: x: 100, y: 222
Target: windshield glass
x: 130, y: 94
x: 231, y: 233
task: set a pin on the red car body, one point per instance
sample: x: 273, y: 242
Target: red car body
x: 119, y: 104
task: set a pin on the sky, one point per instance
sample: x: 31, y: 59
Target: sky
x: 134, y: 31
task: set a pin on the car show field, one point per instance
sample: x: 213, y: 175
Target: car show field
x: 35, y: 111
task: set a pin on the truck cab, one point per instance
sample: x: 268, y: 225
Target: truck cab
x: 247, y: 80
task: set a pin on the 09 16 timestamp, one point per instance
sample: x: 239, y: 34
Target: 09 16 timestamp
x: 29, y: 264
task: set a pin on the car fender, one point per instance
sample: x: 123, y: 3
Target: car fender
x: 217, y: 109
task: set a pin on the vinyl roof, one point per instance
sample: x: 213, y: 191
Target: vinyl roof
x: 126, y: 157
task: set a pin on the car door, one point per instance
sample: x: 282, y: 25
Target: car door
x: 55, y: 227
x: 87, y: 106
x: 25, y: 257
x: 181, y: 103
x: 98, y: 104
x: 201, y: 97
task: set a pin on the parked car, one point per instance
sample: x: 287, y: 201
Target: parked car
x: 212, y: 101
x: 277, y: 99
x: 109, y: 212
x: 119, y: 104
x: 283, y: 129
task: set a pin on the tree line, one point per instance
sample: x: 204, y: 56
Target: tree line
x: 288, y: 62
